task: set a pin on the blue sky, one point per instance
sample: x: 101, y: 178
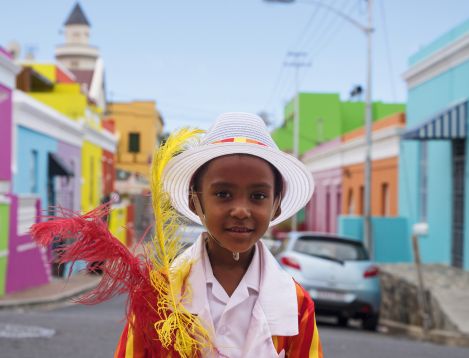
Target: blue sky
x: 200, y: 58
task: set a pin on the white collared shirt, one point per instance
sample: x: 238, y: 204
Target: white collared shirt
x: 225, y: 310
x: 275, y: 311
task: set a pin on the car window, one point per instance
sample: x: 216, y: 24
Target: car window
x: 334, y: 249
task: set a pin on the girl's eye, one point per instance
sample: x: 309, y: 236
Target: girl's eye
x: 259, y: 196
x: 223, y: 195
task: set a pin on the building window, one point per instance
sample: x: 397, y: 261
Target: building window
x: 350, y: 203
x: 385, y: 210
x: 34, y: 171
x: 361, y: 203
x: 423, y: 181
x: 328, y: 210
x: 338, y: 208
x: 134, y: 142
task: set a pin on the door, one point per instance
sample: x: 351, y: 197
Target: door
x: 459, y: 157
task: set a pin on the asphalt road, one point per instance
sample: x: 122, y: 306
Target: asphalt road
x: 92, y: 332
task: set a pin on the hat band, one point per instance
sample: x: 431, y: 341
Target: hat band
x: 239, y: 140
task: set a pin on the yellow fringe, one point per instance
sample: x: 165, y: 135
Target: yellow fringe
x: 178, y: 327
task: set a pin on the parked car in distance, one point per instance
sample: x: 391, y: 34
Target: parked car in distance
x: 337, y: 273
x: 188, y: 234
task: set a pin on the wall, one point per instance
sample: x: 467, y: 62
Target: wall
x: 383, y: 171
x: 118, y: 221
x: 68, y: 190
x: 27, y: 141
x: 5, y: 129
x: 28, y: 265
x: 109, y: 172
x: 430, y: 93
x: 325, y: 205
x: 4, y: 233
x: 391, y: 237
x: 91, y: 173
x: 323, y: 117
x: 139, y: 117
x: 440, y: 42
x: 66, y: 98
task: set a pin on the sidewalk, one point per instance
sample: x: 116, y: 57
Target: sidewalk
x: 447, y: 291
x: 56, y: 291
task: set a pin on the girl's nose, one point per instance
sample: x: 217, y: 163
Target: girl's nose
x: 240, y: 212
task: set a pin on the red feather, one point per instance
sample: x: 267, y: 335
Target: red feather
x: 122, y: 271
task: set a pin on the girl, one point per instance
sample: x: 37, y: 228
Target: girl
x: 225, y: 296
x: 237, y: 183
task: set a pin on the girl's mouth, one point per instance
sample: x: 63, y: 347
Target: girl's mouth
x: 240, y: 229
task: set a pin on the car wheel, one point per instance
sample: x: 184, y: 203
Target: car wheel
x: 371, y: 323
x: 342, y: 321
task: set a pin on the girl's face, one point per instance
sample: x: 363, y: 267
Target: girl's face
x: 237, y: 198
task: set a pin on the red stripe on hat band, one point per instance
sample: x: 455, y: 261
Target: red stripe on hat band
x: 239, y: 140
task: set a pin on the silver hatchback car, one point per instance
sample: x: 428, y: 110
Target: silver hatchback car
x: 337, y: 273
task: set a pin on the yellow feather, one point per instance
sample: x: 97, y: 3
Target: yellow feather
x: 178, y: 327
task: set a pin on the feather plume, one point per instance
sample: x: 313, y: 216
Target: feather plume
x: 156, y: 287
x: 122, y: 271
x: 177, y: 327
x: 93, y: 243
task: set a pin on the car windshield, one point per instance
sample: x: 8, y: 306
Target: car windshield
x: 334, y: 249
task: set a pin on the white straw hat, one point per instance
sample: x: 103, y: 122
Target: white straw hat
x: 238, y: 133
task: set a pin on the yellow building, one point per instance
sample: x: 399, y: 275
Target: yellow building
x: 138, y: 125
x: 67, y: 97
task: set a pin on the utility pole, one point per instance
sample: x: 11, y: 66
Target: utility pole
x: 368, y: 231
x: 297, y: 62
x: 366, y: 29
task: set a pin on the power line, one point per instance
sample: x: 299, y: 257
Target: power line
x: 280, y: 72
x: 323, y: 29
x: 329, y: 36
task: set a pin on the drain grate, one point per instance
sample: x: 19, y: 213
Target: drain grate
x: 18, y: 331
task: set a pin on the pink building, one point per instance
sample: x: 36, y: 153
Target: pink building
x: 324, y: 162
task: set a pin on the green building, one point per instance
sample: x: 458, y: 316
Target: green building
x: 323, y: 116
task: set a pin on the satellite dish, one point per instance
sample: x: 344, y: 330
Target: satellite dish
x: 14, y: 48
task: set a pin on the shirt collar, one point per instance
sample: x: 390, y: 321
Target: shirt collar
x: 275, y: 287
x: 251, y: 278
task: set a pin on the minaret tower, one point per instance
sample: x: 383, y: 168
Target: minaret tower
x: 76, y: 53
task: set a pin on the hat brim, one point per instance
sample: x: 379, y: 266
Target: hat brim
x: 298, y: 182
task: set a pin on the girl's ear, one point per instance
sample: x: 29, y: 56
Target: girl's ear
x: 191, y: 204
x: 277, y: 213
x: 277, y: 209
x: 191, y: 201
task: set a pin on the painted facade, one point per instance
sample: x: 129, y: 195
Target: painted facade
x: 68, y: 193
x: 324, y: 117
x: 325, y: 205
x: 434, y: 154
x: 337, y: 167
x: 384, y: 168
x: 8, y: 71
x: 68, y: 98
x: 46, y: 163
x: 138, y: 125
x: 91, y: 173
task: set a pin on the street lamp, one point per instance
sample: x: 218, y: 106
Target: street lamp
x: 367, y: 29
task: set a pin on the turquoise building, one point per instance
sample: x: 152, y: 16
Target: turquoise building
x: 434, y: 160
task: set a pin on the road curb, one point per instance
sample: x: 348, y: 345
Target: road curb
x: 449, y: 338
x: 68, y: 293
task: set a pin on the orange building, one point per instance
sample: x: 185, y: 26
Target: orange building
x: 384, y: 169
x: 138, y: 125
